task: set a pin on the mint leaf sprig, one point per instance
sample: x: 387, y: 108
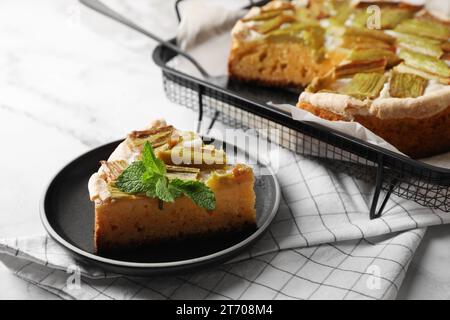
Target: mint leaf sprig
x: 148, y: 176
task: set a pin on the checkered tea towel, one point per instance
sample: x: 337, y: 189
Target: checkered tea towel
x: 321, y: 245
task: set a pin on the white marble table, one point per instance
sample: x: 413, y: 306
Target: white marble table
x: 71, y: 80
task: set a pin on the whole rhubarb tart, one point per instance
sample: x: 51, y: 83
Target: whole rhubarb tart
x: 384, y: 66
x: 162, y: 184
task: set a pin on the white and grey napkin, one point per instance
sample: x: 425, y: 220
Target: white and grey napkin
x: 322, y: 245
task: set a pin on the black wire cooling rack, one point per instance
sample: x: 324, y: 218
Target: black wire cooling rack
x: 244, y: 106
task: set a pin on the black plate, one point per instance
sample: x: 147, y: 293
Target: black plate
x: 68, y: 216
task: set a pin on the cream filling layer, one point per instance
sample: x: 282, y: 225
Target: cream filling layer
x: 97, y: 186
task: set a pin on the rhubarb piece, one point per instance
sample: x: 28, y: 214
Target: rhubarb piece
x: 365, y: 85
x: 353, y: 67
x: 273, y: 24
x: 426, y: 46
x: 425, y: 63
x: 375, y: 54
x: 360, y: 19
x: 403, y: 68
x: 363, y: 33
x: 391, y: 17
x: 183, y: 173
x: 262, y: 16
x: 315, y: 39
x: 341, y: 12
x: 424, y: 28
x: 305, y: 15
x: 321, y: 83
x: 115, y: 192
x: 360, y: 43
x: 311, y: 35
x: 299, y: 32
x: 282, y: 35
x: 156, y: 137
x: 406, y: 85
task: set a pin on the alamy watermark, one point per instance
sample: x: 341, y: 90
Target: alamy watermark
x: 374, y: 17
x: 252, y: 147
x: 73, y: 281
x: 373, y: 281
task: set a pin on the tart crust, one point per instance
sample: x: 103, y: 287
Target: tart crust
x: 432, y: 138
x: 347, y: 107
